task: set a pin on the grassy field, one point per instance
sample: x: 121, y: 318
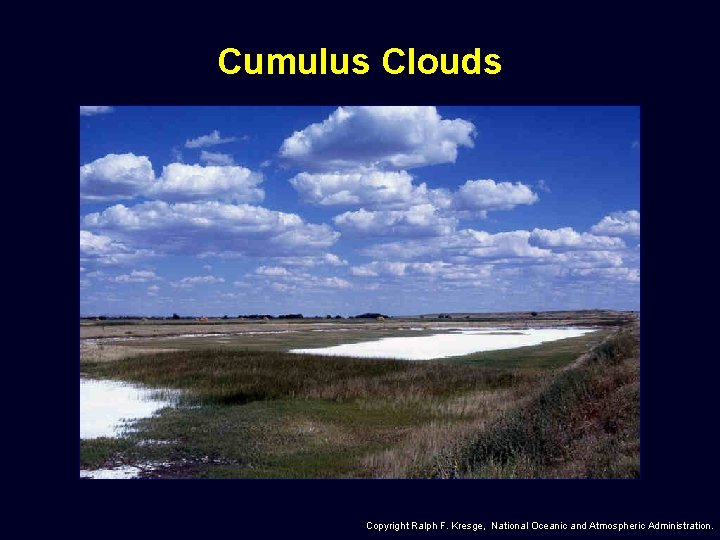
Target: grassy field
x: 252, y: 410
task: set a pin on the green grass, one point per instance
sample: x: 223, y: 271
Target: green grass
x: 228, y: 377
x: 96, y: 453
x: 272, y: 439
x: 550, y: 355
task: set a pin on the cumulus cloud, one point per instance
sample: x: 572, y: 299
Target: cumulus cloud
x: 90, y: 110
x: 115, y: 177
x: 590, y: 259
x: 349, y: 160
x: 461, y: 246
x: 126, y: 176
x: 212, y: 228
x: 181, y: 182
x: 211, y: 139
x: 325, y: 259
x: 283, y: 287
x: 272, y: 271
x: 216, y: 158
x: 419, y: 220
x: 363, y: 271
x: 619, y: 224
x: 504, y: 260
x: 482, y: 195
x: 136, y: 276
x: 511, y: 244
x: 389, y: 268
x: 394, y: 193
x: 335, y: 283
x: 192, y: 281
x: 568, y: 238
x: 631, y: 275
x: 425, y: 272
x: 395, y: 137
x: 281, y: 279
x: 104, y: 250
x: 368, y: 187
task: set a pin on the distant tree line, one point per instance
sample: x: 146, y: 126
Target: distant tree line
x: 252, y: 316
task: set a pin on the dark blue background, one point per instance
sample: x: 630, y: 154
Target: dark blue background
x: 594, y: 55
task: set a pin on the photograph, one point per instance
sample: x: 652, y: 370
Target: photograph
x: 359, y: 291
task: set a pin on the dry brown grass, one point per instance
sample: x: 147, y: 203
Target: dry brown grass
x: 98, y: 351
x: 583, y: 423
x: 424, y: 446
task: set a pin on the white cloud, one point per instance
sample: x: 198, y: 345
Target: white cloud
x: 216, y: 158
x: 272, y: 271
x: 115, y: 176
x: 480, y: 195
x: 97, y: 244
x: 419, y: 220
x: 631, y: 275
x: 126, y: 176
x: 394, y: 193
x: 590, y: 259
x: 136, y: 276
x: 307, y: 282
x: 326, y: 259
x: 335, y: 283
x: 462, y: 246
x: 567, y: 237
x: 368, y: 187
x: 104, y: 250
x: 206, y: 228
x: 507, y: 261
x: 511, y: 244
x: 333, y: 260
x: 619, y: 224
x: 283, y: 287
x: 284, y: 280
x: 192, y: 281
x: 181, y: 182
x: 433, y: 270
x: 396, y: 137
x: 211, y: 139
x: 90, y: 110
x: 363, y: 271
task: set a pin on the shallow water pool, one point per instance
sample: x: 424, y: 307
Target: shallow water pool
x: 458, y: 343
x: 107, y: 406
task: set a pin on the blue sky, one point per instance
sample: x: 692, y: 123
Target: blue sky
x: 342, y: 210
